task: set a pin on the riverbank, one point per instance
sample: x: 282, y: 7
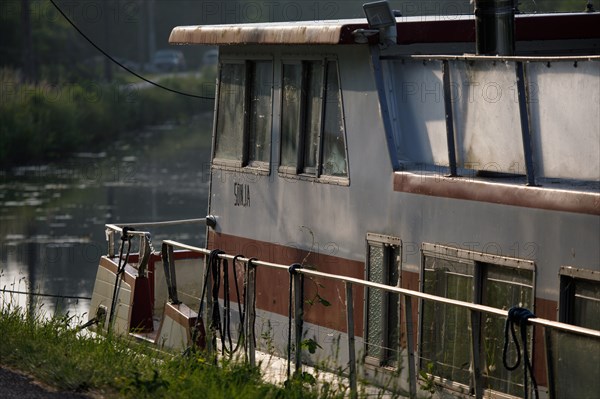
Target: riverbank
x: 53, y: 352
x: 46, y: 121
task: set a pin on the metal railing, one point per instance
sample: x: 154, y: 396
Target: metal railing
x: 407, y: 300
x: 114, y: 228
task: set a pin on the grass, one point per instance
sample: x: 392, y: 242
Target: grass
x: 52, y: 351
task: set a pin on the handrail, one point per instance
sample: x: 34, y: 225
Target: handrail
x: 164, y: 223
x: 112, y: 228
x: 297, y: 275
x: 118, y: 229
x: 397, y: 290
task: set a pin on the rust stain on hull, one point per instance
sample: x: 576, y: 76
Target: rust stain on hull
x: 504, y: 194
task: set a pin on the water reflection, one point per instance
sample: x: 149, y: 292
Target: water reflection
x: 52, y: 216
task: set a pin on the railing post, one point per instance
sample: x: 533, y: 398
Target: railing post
x: 476, y: 353
x: 251, y: 312
x: 410, y: 347
x: 298, y: 316
x: 111, y: 243
x: 351, y: 345
x: 169, y: 270
x: 525, y: 124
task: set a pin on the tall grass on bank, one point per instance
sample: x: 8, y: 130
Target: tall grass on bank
x: 44, y: 121
x: 51, y: 350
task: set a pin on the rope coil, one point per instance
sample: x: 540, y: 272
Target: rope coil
x: 218, y: 269
x: 519, y: 316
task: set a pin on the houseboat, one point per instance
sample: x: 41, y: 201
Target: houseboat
x: 382, y: 192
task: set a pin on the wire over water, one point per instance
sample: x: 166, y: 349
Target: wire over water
x: 120, y: 64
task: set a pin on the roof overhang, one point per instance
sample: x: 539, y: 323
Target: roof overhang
x: 302, y: 32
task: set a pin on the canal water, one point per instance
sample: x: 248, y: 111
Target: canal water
x: 52, y: 216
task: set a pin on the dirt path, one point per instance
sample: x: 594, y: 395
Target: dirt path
x: 15, y: 385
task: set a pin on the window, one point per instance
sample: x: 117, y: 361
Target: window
x: 382, y: 318
x: 312, y: 127
x: 580, y: 297
x: 244, y: 113
x: 446, y: 338
x: 575, y: 357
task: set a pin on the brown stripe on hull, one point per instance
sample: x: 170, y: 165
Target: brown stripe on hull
x: 410, y: 281
x: 272, y: 285
x: 496, y: 193
x: 546, y: 309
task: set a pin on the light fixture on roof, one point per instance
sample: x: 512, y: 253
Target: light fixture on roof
x: 379, y: 14
x: 381, y: 17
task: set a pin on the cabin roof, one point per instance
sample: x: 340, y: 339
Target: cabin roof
x: 300, y: 32
x: 420, y: 29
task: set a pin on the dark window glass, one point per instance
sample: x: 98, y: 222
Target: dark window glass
x: 334, y: 146
x: 230, y: 119
x: 291, y: 113
x: 259, y: 140
x: 586, y: 304
x: 312, y: 128
x: 580, y: 302
x: 445, y: 338
x: 314, y: 109
x: 503, y: 288
x: 573, y: 364
x: 446, y: 342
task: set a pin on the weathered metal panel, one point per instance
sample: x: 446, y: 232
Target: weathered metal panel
x: 565, y: 117
x: 486, y: 113
x: 417, y: 109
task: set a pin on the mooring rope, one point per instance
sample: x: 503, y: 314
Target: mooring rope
x: 214, y: 268
x: 517, y: 315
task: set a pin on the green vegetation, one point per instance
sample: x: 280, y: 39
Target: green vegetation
x: 55, y: 353
x: 41, y: 122
x: 59, y: 95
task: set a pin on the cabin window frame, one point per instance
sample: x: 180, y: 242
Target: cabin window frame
x: 571, y: 279
x: 570, y: 355
x: 244, y: 163
x: 295, y: 166
x: 481, y: 264
x: 391, y: 252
